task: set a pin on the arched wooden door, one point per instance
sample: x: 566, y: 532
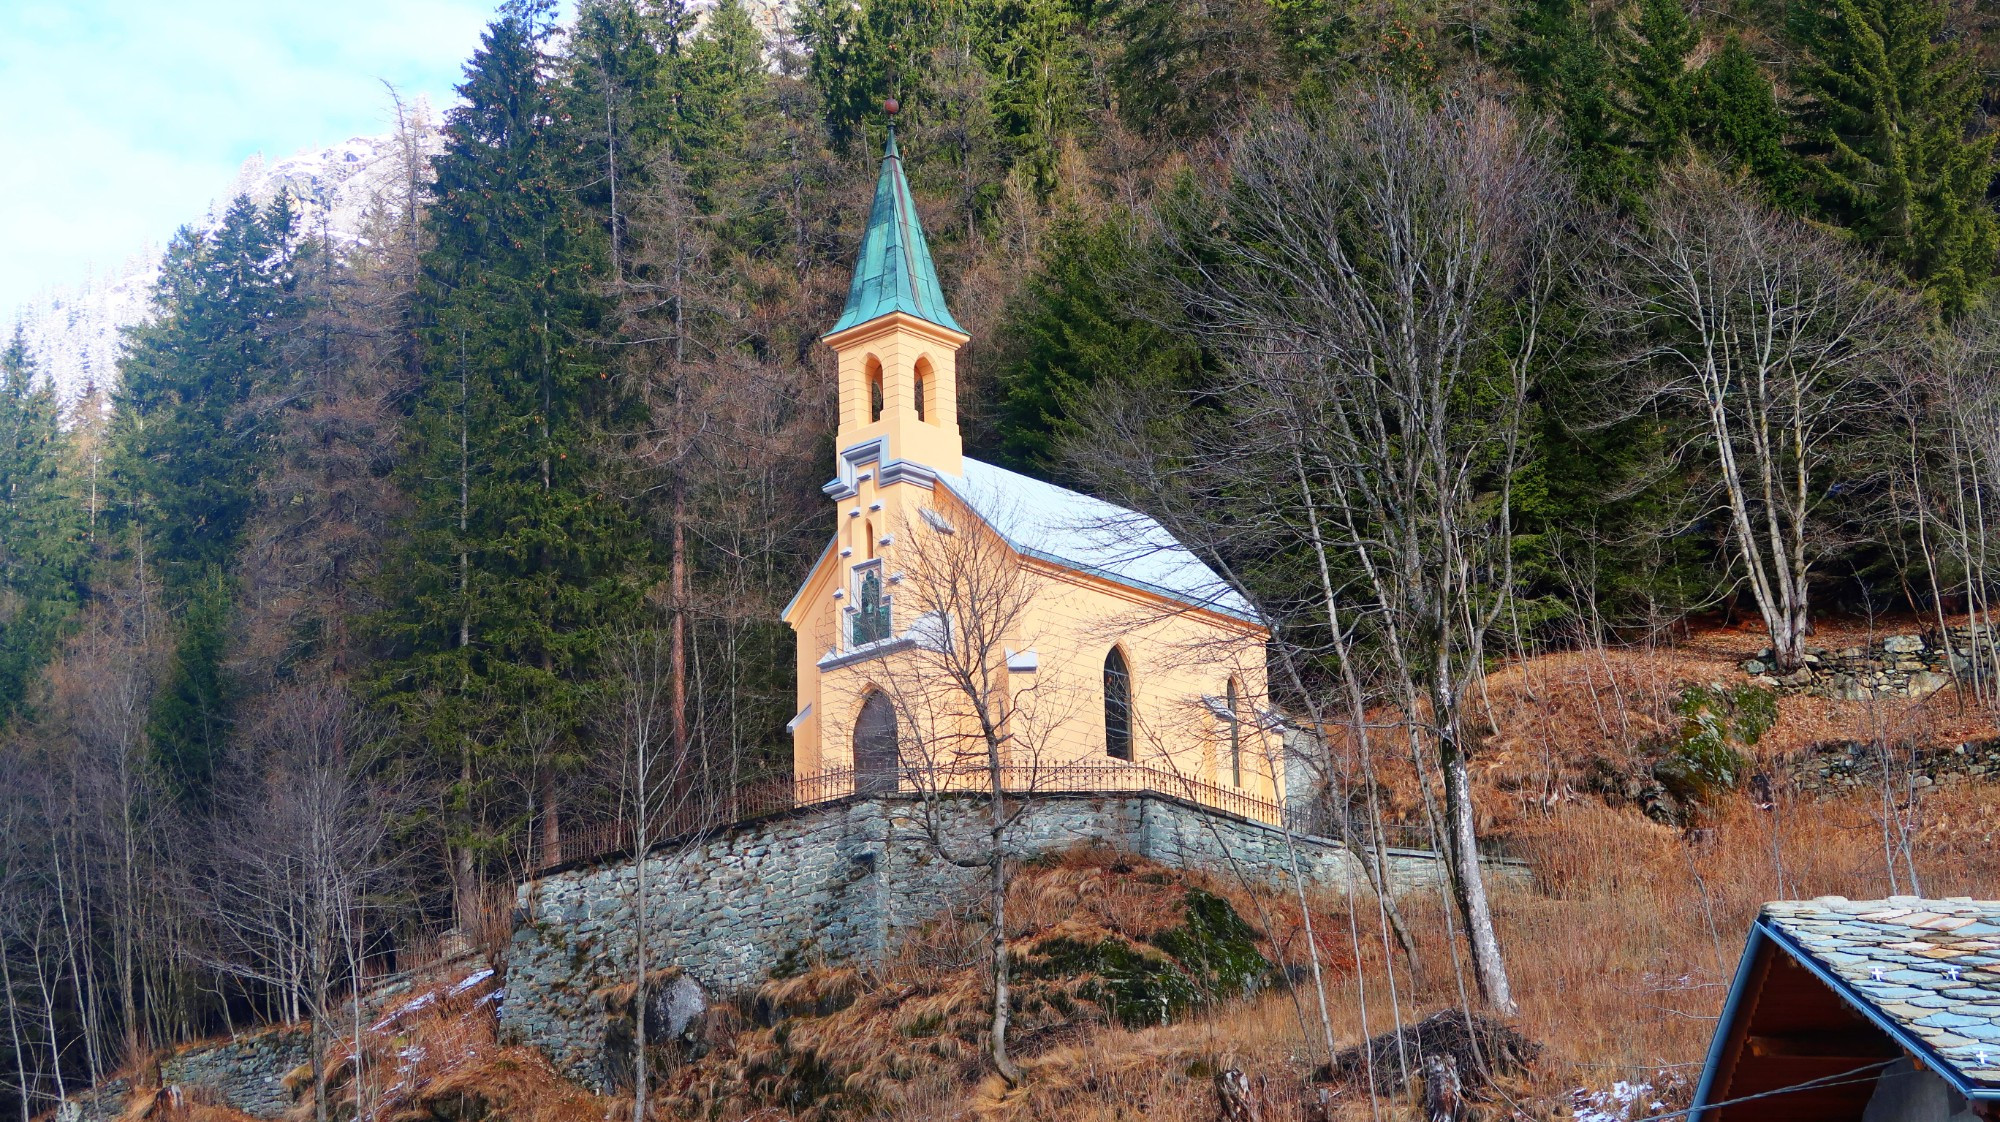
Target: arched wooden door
x: 875, y: 757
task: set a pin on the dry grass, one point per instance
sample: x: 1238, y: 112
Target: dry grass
x: 910, y: 1040
x: 175, y: 1104
x: 1550, y: 719
x: 436, y: 1057
x: 1620, y: 952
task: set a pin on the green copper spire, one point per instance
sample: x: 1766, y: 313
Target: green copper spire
x: 894, y: 273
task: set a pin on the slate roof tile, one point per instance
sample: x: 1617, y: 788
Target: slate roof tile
x: 1924, y: 964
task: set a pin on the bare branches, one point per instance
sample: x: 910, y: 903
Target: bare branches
x: 1778, y: 349
x: 1375, y: 285
x: 964, y: 723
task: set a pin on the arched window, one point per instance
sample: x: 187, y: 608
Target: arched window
x: 868, y: 527
x: 922, y: 387
x: 874, y: 389
x: 876, y: 759
x: 1235, y: 737
x: 1117, y: 706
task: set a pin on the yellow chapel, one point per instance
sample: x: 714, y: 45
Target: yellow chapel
x: 1110, y: 656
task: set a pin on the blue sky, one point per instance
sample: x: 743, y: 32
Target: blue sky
x: 122, y: 119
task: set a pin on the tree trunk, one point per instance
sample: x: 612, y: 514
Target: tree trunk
x: 1002, y: 997
x: 1469, y: 881
x: 551, y: 817
x: 677, y: 657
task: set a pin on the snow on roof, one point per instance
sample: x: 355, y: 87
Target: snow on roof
x: 1090, y: 535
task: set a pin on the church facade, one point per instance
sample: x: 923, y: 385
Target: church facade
x: 961, y: 611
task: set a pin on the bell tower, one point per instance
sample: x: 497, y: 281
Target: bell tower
x: 898, y: 343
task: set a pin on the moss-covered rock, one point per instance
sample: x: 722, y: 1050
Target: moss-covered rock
x: 1210, y: 957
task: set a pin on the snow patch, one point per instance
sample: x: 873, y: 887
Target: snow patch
x: 1623, y: 1102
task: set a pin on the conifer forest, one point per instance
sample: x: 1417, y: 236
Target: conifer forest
x: 1563, y: 381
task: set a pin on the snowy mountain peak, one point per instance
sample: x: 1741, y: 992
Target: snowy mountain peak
x: 76, y: 332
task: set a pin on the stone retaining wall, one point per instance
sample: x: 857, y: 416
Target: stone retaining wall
x: 1897, y: 666
x: 247, y: 1073
x: 1839, y: 768
x: 846, y: 881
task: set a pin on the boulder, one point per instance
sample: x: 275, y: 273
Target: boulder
x: 1927, y: 682
x: 1903, y: 644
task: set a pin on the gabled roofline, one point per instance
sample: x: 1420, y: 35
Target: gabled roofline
x: 1764, y: 933
x: 1100, y: 573
x: 811, y: 572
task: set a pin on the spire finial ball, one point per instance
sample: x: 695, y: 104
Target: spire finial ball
x: 890, y: 106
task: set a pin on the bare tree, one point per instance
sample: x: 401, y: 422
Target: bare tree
x: 301, y: 849
x: 653, y: 780
x: 964, y: 723
x: 1963, y: 495
x: 1374, y: 284
x: 1779, y: 350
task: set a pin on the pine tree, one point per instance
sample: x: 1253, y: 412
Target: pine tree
x: 1888, y: 107
x: 42, y: 534
x: 518, y: 559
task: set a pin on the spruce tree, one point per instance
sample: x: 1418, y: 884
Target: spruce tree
x: 1040, y: 66
x: 1735, y: 114
x: 1888, y: 105
x: 1566, y: 66
x: 42, y: 533
x: 518, y: 557
x: 186, y: 441
x: 188, y: 726
x: 1071, y: 336
x: 1654, y: 78
x: 714, y: 93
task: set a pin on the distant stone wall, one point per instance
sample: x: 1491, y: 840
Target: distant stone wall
x: 1842, y: 767
x: 847, y: 881
x: 1897, y: 666
x: 247, y: 1073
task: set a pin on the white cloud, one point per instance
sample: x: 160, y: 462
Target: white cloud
x: 126, y: 118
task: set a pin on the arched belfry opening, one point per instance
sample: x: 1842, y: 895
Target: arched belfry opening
x: 921, y: 389
x: 1117, y: 706
x: 876, y: 394
x: 876, y: 759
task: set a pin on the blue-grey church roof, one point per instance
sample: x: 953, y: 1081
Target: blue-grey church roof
x: 1077, y: 531
x: 894, y: 272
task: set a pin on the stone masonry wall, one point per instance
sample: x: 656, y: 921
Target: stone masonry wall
x: 1840, y: 768
x: 1897, y: 666
x: 841, y: 882
x: 247, y: 1073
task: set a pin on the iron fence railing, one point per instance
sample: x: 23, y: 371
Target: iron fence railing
x: 693, y: 818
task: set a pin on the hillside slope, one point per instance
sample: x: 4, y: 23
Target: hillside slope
x: 1136, y: 985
